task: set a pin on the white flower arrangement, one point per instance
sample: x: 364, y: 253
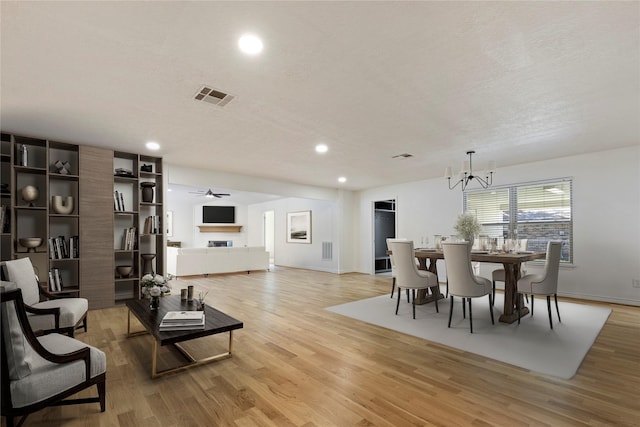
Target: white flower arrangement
x: 468, y: 226
x: 154, y: 285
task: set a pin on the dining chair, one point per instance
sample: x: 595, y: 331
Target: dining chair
x: 53, y: 313
x: 545, y: 283
x: 499, y: 275
x: 462, y: 282
x: 408, y: 276
x: 38, y: 372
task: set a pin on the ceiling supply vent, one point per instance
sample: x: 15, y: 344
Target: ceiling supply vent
x: 213, y: 96
x: 403, y: 156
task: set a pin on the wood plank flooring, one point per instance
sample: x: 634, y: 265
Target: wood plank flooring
x: 296, y: 364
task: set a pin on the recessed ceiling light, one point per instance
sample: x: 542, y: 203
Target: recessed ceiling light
x: 250, y: 44
x: 152, y: 145
x: 342, y: 179
x: 322, y: 148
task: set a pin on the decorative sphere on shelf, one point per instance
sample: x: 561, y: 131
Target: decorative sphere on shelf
x: 29, y: 194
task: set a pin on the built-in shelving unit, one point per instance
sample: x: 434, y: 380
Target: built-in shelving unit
x: 138, y: 212
x: 63, y: 194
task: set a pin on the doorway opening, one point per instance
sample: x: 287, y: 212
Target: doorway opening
x: 384, y: 219
x: 269, y: 235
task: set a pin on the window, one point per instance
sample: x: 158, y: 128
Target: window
x: 537, y: 211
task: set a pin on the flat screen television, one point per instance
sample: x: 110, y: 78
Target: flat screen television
x: 218, y: 214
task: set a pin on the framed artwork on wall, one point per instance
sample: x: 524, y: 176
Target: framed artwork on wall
x: 299, y: 227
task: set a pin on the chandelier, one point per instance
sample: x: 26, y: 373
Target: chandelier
x: 466, y: 174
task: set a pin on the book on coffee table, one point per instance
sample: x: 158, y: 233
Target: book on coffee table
x: 183, y: 316
x: 182, y: 320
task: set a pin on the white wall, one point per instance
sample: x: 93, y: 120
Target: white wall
x: 606, y: 211
x: 299, y: 255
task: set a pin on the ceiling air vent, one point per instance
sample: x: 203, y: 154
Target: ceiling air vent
x: 403, y: 156
x: 213, y: 96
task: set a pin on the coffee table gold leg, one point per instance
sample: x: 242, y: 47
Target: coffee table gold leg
x: 154, y: 358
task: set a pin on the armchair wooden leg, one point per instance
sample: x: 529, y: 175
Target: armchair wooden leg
x: 102, y: 395
x: 549, y: 310
x: 555, y: 297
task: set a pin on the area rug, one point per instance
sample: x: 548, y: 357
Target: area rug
x: 532, y: 345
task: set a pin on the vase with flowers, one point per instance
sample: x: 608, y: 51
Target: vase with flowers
x: 153, y: 287
x: 468, y: 227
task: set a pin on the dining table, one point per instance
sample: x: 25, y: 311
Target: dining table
x: 511, y: 262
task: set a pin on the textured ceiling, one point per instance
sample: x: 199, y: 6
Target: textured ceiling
x: 516, y: 81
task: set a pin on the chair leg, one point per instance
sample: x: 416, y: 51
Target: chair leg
x: 408, y: 300
x: 464, y: 308
x: 549, y: 310
x: 436, y: 295
x: 398, y: 303
x: 491, y: 302
x: 450, y: 310
x: 470, y: 317
x: 493, y: 292
x: 518, y: 306
x: 413, y: 294
x: 102, y: 395
x: 532, y: 298
x: 555, y: 297
x: 447, y: 294
x: 393, y: 286
x: 84, y: 323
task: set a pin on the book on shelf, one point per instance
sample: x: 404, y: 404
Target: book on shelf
x: 118, y: 201
x: 129, y: 239
x: 152, y: 224
x: 55, y: 280
x: 5, y: 213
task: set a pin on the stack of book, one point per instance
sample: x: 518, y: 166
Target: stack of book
x: 182, y: 320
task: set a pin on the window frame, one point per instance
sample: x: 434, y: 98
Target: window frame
x: 514, y: 223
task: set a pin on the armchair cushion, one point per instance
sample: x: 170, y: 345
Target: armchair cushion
x: 21, y: 272
x: 72, y: 310
x: 47, y: 379
x: 18, y: 358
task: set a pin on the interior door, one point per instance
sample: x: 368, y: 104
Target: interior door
x: 384, y: 214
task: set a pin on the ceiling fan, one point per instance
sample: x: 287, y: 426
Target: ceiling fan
x: 209, y: 193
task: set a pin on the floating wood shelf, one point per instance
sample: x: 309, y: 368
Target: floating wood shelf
x: 220, y: 228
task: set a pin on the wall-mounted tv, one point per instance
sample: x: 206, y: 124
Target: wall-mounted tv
x: 218, y: 214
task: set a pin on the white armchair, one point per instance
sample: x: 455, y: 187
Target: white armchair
x: 43, y: 371
x: 61, y: 314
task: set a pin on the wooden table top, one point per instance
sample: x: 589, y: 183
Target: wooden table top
x: 485, y: 256
x: 215, y: 321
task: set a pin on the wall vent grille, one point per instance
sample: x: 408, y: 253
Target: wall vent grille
x: 327, y: 250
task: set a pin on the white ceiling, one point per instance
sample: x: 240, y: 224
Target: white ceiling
x: 516, y: 81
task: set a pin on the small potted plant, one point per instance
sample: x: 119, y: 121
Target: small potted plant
x: 468, y: 227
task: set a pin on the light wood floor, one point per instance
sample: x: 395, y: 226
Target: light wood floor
x: 296, y: 364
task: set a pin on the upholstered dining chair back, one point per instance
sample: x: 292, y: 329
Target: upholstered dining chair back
x: 42, y: 371
x: 547, y: 282
x: 462, y: 281
x: 406, y: 273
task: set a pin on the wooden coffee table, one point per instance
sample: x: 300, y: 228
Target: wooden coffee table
x: 216, y: 322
